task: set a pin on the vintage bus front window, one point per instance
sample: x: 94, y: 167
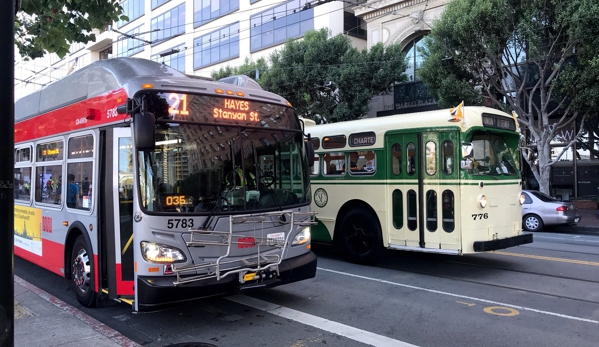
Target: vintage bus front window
x: 200, y: 168
x: 492, y: 156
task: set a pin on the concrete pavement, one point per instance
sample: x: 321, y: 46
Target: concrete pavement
x: 44, y: 320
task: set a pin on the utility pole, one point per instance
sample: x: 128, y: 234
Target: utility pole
x: 7, y: 132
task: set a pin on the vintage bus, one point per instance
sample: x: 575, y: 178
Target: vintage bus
x: 141, y: 184
x: 444, y: 181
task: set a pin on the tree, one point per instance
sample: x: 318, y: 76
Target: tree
x: 53, y: 25
x: 325, y: 77
x: 535, y: 57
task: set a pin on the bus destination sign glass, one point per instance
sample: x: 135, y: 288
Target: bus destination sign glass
x: 362, y: 139
x: 494, y: 121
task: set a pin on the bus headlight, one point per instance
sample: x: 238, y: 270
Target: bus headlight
x: 522, y: 198
x: 482, y: 201
x: 161, y: 254
x: 302, y: 237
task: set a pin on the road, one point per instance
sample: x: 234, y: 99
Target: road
x: 542, y: 294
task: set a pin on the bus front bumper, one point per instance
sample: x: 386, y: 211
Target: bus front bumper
x: 159, y: 292
x: 484, y: 246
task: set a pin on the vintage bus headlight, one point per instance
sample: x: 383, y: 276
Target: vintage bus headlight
x: 302, y: 237
x: 161, y: 254
x: 482, y: 201
x: 522, y: 198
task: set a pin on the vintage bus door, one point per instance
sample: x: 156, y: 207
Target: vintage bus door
x: 417, y: 185
x: 118, y: 192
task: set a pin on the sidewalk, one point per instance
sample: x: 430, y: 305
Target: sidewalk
x: 44, y: 320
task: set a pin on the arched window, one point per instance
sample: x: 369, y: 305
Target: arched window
x: 413, y: 57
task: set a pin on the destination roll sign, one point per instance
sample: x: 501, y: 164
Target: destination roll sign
x: 234, y: 109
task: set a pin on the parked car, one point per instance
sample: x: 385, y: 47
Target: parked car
x: 540, y: 210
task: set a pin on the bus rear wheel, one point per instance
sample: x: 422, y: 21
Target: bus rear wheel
x: 81, y: 272
x: 361, y: 238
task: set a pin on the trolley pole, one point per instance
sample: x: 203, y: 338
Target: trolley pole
x: 7, y: 125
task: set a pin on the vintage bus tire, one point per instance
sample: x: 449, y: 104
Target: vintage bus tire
x: 361, y: 238
x: 532, y: 222
x: 82, y: 272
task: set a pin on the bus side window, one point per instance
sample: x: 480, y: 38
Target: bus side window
x: 411, y: 160
x: 396, y: 159
x: 316, y: 167
x: 447, y: 157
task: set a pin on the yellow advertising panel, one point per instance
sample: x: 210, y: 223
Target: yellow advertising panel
x: 28, y: 229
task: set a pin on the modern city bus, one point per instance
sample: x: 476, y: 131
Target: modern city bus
x: 444, y: 181
x: 144, y: 185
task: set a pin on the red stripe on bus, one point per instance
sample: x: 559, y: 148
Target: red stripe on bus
x: 51, y: 259
x: 88, y: 113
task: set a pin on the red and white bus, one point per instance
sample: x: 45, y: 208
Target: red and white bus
x: 142, y: 184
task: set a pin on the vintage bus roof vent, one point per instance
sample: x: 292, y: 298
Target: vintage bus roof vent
x: 242, y: 81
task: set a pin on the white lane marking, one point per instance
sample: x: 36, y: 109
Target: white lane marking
x: 497, y: 303
x: 564, y: 239
x: 355, y: 334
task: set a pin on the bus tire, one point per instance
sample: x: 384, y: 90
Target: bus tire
x: 532, y: 222
x: 82, y: 272
x: 361, y: 237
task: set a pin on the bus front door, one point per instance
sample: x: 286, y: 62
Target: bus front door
x: 438, y: 191
x: 118, y: 202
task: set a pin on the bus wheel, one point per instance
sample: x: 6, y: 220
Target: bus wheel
x: 532, y: 222
x: 81, y: 272
x: 361, y: 238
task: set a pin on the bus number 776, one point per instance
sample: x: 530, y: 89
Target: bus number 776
x: 480, y: 216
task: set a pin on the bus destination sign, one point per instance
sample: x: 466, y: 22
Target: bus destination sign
x: 362, y: 139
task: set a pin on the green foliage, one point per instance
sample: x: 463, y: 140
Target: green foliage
x: 325, y: 77
x: 537, y: 57
x: 53, y: 25
x: 248, y: 68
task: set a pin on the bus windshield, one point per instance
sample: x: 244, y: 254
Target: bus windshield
x: 253, y: 160
x: 492, y: 156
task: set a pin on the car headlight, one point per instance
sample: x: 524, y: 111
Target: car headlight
x: 482, y: 201
x: 522, y: 198
x: 302, y: 237
x: 161, y: 254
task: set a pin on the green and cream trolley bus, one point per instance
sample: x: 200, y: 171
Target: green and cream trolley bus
x: 444, y: 181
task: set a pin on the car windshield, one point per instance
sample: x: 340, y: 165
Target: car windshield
x: 492, y: 156
x: 228, y: 167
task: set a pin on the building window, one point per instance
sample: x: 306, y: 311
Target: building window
x: 414, y: 58
x: 174, y: 57
x: 156, y: 3
x: 274, y: 26
x: 354, y: 26
x: 218, y: 46
x: 207, y: 10
x: 168, y: 24
x: 133, y: 9
x: 132, y: 43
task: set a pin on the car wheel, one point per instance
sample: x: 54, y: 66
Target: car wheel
x: 532, y: 222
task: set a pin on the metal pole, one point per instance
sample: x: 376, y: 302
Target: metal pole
x: 575, y: 163
x: 7, y: 124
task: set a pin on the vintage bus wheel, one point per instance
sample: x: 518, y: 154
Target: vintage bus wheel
x: 532, y: 222
x: 361, y: 238
x: 81, y: 272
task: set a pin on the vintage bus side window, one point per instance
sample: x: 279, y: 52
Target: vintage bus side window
x: 411, y: 158
x: 431, y: 210
x: 80, y: 173
x: 448, y: 211
x: 412, y: 210
x: 333, y: 163
x: 331, y: 142
x: 447, y: 157
x: 362, y: 163
x: 316, y: 167
x: 315, y: 143
x: 396, y: 153
x: 397, y: 199
x: 48, y: 172
x: 431, y: 158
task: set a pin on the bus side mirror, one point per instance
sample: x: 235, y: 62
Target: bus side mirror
x: 309, y: 150
x: 125, y: 108
x: 144, y: 131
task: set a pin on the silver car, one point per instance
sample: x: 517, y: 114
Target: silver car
x: 541, y: 210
